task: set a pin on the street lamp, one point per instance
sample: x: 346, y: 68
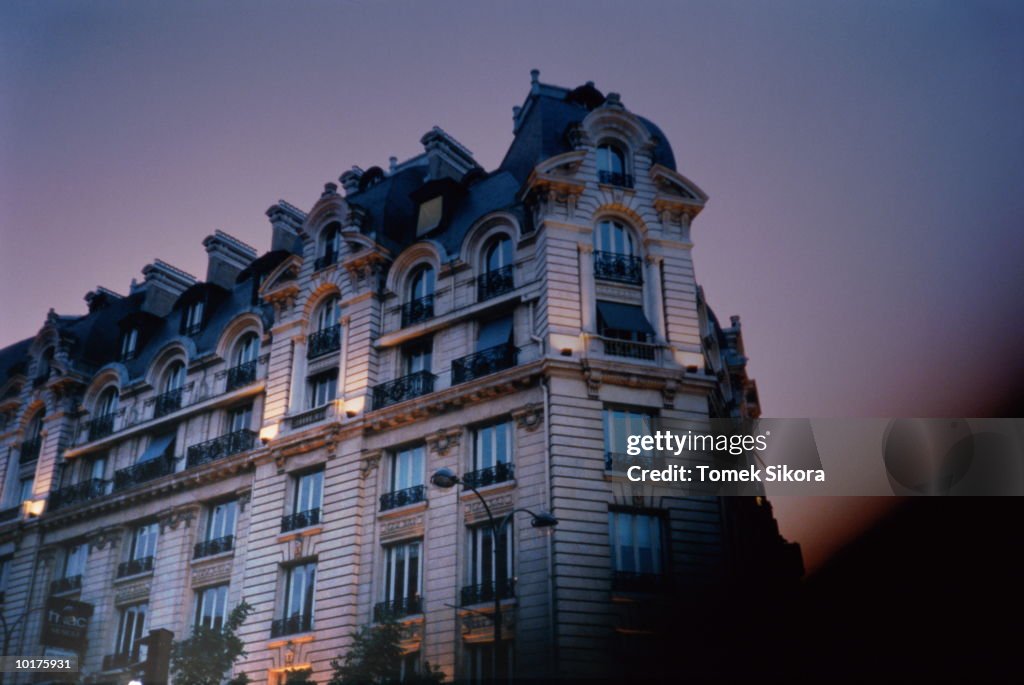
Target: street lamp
x: 446, y: 478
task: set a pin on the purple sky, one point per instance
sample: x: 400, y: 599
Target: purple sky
x: 865, y: 160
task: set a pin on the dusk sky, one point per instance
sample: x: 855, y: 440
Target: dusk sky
x: 865, y: 160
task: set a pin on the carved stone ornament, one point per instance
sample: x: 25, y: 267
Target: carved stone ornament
x: 444, y: 441
x: 132, y: 592
x: 244, y: 497
x: 212, y: 574
x: 529, y: 417
x: 369, y: 462
x: 668, y: 394
x: 100, y: 540
x: 175, y: 518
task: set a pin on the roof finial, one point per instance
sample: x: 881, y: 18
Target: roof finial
x: 534, y: 80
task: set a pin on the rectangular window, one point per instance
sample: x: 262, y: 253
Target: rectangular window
x: 221, y: 522
x: 193, y: 321
x: 402, y: 576
x: 407, y: 468
x: 240, y: 418
x: 300, y: 590
x: 494, y: 333
x: 129, y: 341
x: 212, y: 607
x: 418, y: 357
x: 430, y: 215
x: 74, y: 560
x: 636, y: 542
x: 482, y: 574
x: 309, y: 489
x: 409, y: 668
x: 144, y: 542
x: 483, y: 667
x: 493, y: 446
x: 323, y: 388
x: 25, y: 489
x: 96, y: 468
x: 131, y: 628
x: 619, y: 424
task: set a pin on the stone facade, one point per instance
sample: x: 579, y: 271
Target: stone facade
x: 319, y: 386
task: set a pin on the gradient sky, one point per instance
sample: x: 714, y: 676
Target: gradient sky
x: 865, y: 160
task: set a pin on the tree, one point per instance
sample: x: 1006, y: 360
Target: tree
x: 375, y: 658
x: 206, y: 657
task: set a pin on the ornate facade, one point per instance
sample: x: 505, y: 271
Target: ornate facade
x: 269, y: 433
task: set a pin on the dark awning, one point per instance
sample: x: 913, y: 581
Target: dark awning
x: 494, y: 332
x: 157, y: 447
x: 623, y: 317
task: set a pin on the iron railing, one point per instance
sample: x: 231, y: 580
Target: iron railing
x: 483, y: 363
x: 615, y: 178
x: 297, y: 623
x: 324, y: 341
x: 630, y: 349
x: 613, y: 266
x: 308, y: 417
x: 241, y: 375
x: 397, y: 608
x: 218, y: 448
x: 101, y: 426
x: 140, y: 473
x: 30, y: 450
x: 133, y: 567
x: 300, y: 519
x: 494, y: 283
x: 78, y: 493
x: 404, y: 388
x: 66, y: 584
x: 417, y: 310
x: 400, y: 498
x: 208, y: 548
x: 617, y: 461
x: 499, y: 473
x: 484, y: 592
x: 166, y: 403
x: 628, y: 581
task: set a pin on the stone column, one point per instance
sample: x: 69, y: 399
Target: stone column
x: 297, y: 394
x: 653, y: 298
x: 587, y: 289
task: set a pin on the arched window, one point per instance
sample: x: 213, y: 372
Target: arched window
x: 33, y: 438
x: 35, y: 426
x: 330, y: 245
x: 615, y: 254
x: 108, y: 402
x: 611, y: 166
x: 497, y: 277
x: 421, y: 297
x: 174, y: 377
x: 248, y: 349
x: 173, y: 384
x: 499, y: 254
x: 45, y: 363
x: 326, y: 336
x: 327, y: 314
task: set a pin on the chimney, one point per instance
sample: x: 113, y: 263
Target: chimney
x: 446, y: 157
x: 350, y: 180
x: 163, y: 285
x: 100, y: 298
x: 228, y: 256
x: 286, y: 220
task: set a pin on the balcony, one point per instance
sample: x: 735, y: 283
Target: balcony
x: 79, y: 492
x: 308, y: 417
x: 167, y: 403
x: 630, y: 349
x: 218, y: 448
x: 400, y: 498
x: 499, y: 473
x: 140, y: 473
x: 484, y: 592
x: 404, y: 388
x: 241, y: 375
x: 30, y: 450
x: 483, y: 363
x: 623, y: 268
x: 298, y: 623
x: 134, y: 567
x: 112, y: 662
x: 68, y: 584
x: 494, y: 283
x: 615, y: 178
x: 324, y: 261
x: 417, y: 310
x: 301, y: 519
x: 398, y: 608
x: 324, y: 341
x: 207, y: 548
x: 650, y: 583
x: 101, y: 427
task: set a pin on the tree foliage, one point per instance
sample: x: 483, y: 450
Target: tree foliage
x: 375, y: 658
x: 206, y: 656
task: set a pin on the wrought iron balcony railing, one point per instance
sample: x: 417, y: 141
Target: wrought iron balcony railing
x: 78, y: 493
x: 101, y: 426
x: 140, y: 473
x: 624, y: 268
x: 166, y: 403
x: 483, y: 363
x: 494, y: 283
x: 300, y: 519
x: 630, y: 349
x: 499, y: 473
x: 112, y: 662
x: 241, y: 375
x: 400, y: 498
x: 404, y: 388
x: 397, y: 608
x: 134, y: 567
x: 652, y: 583
x: 615, y: 178
x: 308, y: 417
x: 324, y: 341
x: 208, y: 548
x: 66, y: 584
x: 30, y: 450
x: 417, y: 310
x: 484, y: 592
x: 297, y: 623
x: 218, y: 448
x: 324, y: 261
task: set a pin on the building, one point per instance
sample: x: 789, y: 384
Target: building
x: 269, y: 433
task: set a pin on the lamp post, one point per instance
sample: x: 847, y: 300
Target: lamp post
x: 446, y: 478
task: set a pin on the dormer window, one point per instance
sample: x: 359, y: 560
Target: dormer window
x: 192, y: 323
x: 129, y: 344
x: 430, y: 215
x: 611, y: 166
x: 330, y: 246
